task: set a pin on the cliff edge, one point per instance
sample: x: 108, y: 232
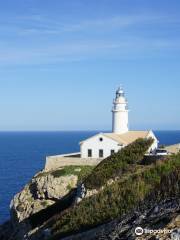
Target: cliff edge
x: 105, y: 202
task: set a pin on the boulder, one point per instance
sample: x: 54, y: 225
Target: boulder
x: 43, y: 190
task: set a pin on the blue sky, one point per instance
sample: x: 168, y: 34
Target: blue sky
x: 61, y: 62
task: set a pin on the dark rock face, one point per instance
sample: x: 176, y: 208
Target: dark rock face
x: 162, y: 216
x: 6, y: 230
x: 9, y: 231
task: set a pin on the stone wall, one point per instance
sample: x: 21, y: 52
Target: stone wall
x: 54, y: 162
x: 173, y: 148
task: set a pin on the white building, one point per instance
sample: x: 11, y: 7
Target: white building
x: 104, y: 144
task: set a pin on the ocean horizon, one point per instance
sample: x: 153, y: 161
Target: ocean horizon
x: 23, y: 153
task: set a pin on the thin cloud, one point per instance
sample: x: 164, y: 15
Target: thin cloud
x: 116, y: 22
x: 126, y: 48
x: 125, y: 44
x: 45, y: 25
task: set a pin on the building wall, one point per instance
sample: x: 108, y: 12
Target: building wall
x: 154, y: 146
x: 81, y: 158
x: 95, y: 145
x: 120, y: 121
x: 173, y: 149
x: 107, y: 145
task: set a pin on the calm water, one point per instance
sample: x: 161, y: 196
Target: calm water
x: 22, y: 154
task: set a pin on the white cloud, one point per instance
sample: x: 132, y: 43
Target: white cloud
x: 113, y: 22
x: 126, y: 45
x: 46, y: 25
x: 77, y: 51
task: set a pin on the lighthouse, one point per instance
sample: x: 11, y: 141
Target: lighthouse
x: 101, y: 145
x: 120, y: 113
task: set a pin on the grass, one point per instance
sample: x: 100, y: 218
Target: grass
x: 80, y: 171
x: 157, y: 181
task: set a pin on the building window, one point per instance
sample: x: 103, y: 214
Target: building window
x: 101, y: 155
x: 89, y: 152
x: 112, y: 151
x: 100, y: 139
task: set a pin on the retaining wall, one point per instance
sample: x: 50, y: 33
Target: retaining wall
x: 54, y: 162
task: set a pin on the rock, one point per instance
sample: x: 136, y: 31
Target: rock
x: 77, y: 170
x: 42, y: 191
x: 156, y: 209
x: 80, y: 193
x: 175, y: 235
x: 50, y: 187
x: 5, y: 230
x: 124, y: 227
x: 47, y: 233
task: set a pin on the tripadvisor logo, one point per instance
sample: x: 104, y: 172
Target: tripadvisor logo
x: 139, y: 231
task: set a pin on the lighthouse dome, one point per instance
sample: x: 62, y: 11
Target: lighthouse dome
x: 120, y: 92
x: 120, y: 96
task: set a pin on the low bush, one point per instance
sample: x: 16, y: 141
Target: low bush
x: 118, y: 163
x: 155, y: 182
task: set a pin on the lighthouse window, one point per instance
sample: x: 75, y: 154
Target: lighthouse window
x: 89, y: 152
x: 100, y: 139
x: 101, y: 153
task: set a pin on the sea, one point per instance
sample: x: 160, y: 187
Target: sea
x: 22, y: 154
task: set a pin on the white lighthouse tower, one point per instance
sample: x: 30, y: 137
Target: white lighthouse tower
x: 120, y: 113
x: 102, y: 145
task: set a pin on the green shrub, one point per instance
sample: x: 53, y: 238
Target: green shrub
x: 118, y: 163
x: 154, y: 183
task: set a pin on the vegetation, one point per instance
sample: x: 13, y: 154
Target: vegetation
x: 39, y: 218
x: 154, y: 183
x: 136, y: 186
x: 42, y: 216
x: 118, y: 163
x: 80, y: 171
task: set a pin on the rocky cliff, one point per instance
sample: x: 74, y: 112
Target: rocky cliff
x: 43, y: 190
x: 107, y: 202
x: 162, y: 216
x: 158, y: 222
